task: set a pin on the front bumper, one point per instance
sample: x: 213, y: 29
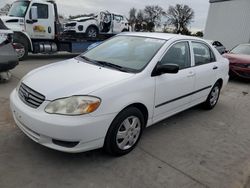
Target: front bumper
x: 240, y: 71
x: 86, y: 131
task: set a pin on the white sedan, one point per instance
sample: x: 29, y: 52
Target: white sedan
x: 107, y: 96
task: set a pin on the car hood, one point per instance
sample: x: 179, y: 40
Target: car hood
x: 237, y: 58
x: 71, y: 77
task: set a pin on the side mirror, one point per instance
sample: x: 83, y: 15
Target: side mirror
x: 33, y: 13
x: 167, y: 68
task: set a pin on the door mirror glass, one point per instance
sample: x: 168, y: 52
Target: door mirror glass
x: 33, y: 13
x: 166, y: 68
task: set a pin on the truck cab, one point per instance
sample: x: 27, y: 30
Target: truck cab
x: 36, y: 28
x: 31, y: 21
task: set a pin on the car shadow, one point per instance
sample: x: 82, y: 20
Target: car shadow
x: 239, y: 80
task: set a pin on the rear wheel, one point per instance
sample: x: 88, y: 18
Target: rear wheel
x: 213, y: 97
x: 124, y: 132
x: 92, y: 32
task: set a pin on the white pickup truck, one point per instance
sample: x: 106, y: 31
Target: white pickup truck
x: 103, y: 22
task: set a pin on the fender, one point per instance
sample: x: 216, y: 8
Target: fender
x: 25, y: 35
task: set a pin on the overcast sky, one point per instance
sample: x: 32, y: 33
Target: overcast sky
x: 73, y: 7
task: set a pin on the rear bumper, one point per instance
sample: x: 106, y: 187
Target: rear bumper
x: 8, y: 58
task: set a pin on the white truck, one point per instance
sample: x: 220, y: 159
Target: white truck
x: 103, y: 22
x: 37, y: 29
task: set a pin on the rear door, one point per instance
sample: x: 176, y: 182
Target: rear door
x: 205, y: 68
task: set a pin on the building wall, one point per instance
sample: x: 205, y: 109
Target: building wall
x: 228, y: 22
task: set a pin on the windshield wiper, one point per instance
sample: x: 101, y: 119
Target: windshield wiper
x: 87, y: 59
x: 107, y: 64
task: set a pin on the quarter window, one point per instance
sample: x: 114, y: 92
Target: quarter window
x: 42, y: 11
x: 202, y: 54
x: 178, y: 54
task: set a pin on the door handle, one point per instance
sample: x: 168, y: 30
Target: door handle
x: 215, y: 67
x: 191, y: 74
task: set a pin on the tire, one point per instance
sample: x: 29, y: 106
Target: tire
x: 125, y: 30
x: 133, y: 119
x: 92, y: 32
x: 213, y: 97
x: 21, y: 47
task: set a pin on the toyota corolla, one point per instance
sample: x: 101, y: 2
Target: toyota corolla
x: 105, y: 97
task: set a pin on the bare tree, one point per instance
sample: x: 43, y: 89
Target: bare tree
x: 180, y: 16
x: 132, y: 17
x: 5, y: 9
x: 153, y: 15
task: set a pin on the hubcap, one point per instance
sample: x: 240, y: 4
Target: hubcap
x: 128, y: 132
x: 20, y: 50
x: 214, y: 95
x: 92, y: 33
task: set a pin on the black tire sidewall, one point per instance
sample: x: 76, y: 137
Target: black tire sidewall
x: 207, y: 104
x: 110, y: 144
x: 25, y: 44
x: 90, y: 28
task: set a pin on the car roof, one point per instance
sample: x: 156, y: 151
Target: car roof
x: 164, y: 36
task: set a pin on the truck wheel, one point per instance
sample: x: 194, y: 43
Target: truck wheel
x: 21, y: 47
x: 124, y: 132
x: 92, y: 32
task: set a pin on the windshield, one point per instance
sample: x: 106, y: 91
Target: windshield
x: 132, y: 53
x: 241, y: 49
x: 19, y: 8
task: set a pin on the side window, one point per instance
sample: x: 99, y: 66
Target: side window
x: 178, y: 54
x: 42, y: 11
x: 219, y: 44
x: 202, y: 53
x: 117, y: 18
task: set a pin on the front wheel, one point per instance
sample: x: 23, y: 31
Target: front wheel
x: 124, y: 132
x: 92, y: 32
x: 213, y: 97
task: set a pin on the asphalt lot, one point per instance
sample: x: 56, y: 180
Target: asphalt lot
x: 195, y: 148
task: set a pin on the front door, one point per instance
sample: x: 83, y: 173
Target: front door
x: 117, y: 23
x: 43, y: 27
x: 173, y: 91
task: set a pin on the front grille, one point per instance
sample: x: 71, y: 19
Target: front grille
x: 70, y: 24
x: 30, y: 96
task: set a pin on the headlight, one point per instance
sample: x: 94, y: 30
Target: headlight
x: 75, y: 105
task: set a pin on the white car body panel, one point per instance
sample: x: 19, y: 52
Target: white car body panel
x: 78, y: 73
x: 117, y: 90
x: 115, y: 28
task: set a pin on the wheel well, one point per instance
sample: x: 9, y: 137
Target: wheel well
x: 143, y: 110
x: 94, y: 27
x: 21, y: 35
x: 220, y: 81
x: 125, y: 30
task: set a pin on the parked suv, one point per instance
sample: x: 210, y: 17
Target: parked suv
x: 91, y: 26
